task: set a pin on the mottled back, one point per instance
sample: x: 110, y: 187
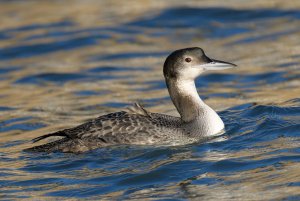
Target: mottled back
x: 134, y: 126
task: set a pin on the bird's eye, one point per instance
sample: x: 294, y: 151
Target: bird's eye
x: 188, y: 60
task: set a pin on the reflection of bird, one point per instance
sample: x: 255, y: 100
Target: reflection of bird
x: 138, y: 126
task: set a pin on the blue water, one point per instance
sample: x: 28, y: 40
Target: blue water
x: 59, y: 73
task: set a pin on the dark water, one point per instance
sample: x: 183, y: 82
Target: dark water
x: 55, y: 74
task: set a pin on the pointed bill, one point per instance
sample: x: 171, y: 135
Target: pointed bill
x: 213, y: 64
x: 218, y: 65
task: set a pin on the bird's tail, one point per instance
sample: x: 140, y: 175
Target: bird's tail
x: 49, y: 147
x: 59, y: 133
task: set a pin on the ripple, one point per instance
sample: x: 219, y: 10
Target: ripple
x: 32, y: 27
x: 63, y: 78
x: 20, y: 126
x: 90, y: 93
x: 4, y: 108
x: 25, y: 51
x: 256, y: 158
x: 273, y: 36
x: 206, y: 18
x: 5, y: 70
x: 128, y: 55
x: 109, y: 69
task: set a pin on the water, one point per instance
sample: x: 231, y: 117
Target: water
x: 63, y: 63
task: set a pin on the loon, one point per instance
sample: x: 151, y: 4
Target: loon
x: 137, y: 126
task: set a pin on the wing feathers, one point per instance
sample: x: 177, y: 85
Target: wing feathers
x: 138, y: 109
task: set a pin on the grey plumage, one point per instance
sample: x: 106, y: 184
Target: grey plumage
x: 135, y: 126
x: 138, y: 126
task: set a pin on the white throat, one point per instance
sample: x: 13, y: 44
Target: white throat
x: 199, y: 117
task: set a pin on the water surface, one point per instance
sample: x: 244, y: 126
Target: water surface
x: 64, y: 63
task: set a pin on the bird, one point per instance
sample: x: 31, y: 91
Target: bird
x: 137, y: 126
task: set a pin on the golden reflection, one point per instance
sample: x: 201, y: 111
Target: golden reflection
x: 57, y: 105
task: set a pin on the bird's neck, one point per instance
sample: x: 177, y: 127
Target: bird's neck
x: 185, y: 98
x: 191, y: 107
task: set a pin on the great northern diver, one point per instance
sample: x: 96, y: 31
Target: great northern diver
x: 137, y: 126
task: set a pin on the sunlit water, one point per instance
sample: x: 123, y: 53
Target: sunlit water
x: 63, y: 63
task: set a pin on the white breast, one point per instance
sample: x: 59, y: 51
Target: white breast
x: 208, y: 123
